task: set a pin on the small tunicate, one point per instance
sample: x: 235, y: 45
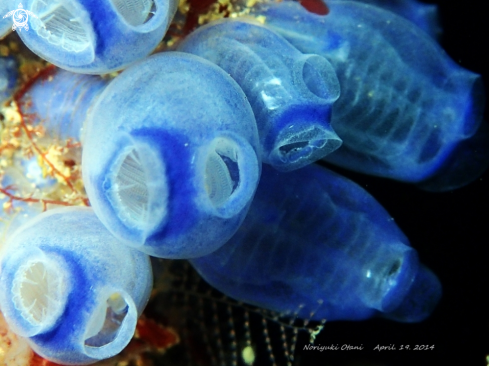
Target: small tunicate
x: 291, y: 93
x: 406, y: 110
x: 8, y: 77
x: 60, y: 100
x: 72, y: 289
x: 171, y: 156
x: 318, y: 246
x: 96, y: 37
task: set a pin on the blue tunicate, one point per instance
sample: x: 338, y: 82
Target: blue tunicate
x: 60, y: 101
x: 406, y: 110
x: 5, y: 19
x: 317, y: 245
x: 96, y: 37
x: 170, y: 156
x: 425, y: 16
x: 291, y: 93
x: 8, y: 77
x: 70, y: 288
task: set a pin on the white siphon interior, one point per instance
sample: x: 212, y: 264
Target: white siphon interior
x: 134, y: 12
x: 222, y: 173
x: 304, y: 139
x: 59, y: 26
x: 39, y: 293
x: 131, y: 190
x: 300, y: 145
x: 106, y: 321
x: 384, y: 277
x: 137, y: 188
x: 389, y: 282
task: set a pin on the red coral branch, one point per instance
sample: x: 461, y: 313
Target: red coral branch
x: 44, y: 202
x: 43, y: 74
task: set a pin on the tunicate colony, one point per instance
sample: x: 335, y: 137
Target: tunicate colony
x: 172, y: 154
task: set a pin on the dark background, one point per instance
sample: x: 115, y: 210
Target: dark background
x: 450, y: 232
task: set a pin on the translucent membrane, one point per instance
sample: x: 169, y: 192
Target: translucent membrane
x: 403, y: 115
x: 39, y: 293
x: 221, y: 172
x: 104, y: 326
x: 134, y: 12
x: 59, y: 26
x: 319, y: 77
x: 352, y: 263
x: 389, y: 279
x: 303, y: 144
x: 386, y: 282
x: 131, y: 191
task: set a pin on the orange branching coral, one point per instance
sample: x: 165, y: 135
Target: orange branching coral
x: 60, y: 160
x: 14, y: 351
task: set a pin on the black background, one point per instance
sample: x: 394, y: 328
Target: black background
x: 450, y: 232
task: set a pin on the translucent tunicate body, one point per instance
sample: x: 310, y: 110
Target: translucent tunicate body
x: 96, y: 37
x: 425, y: 16
x: 291, y: 93
x: 60, y: 101
x: 171, y: 156
x: 406, y: 110
x: 72, y: 289
x: 8, y: 77
x: 317, y: 245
